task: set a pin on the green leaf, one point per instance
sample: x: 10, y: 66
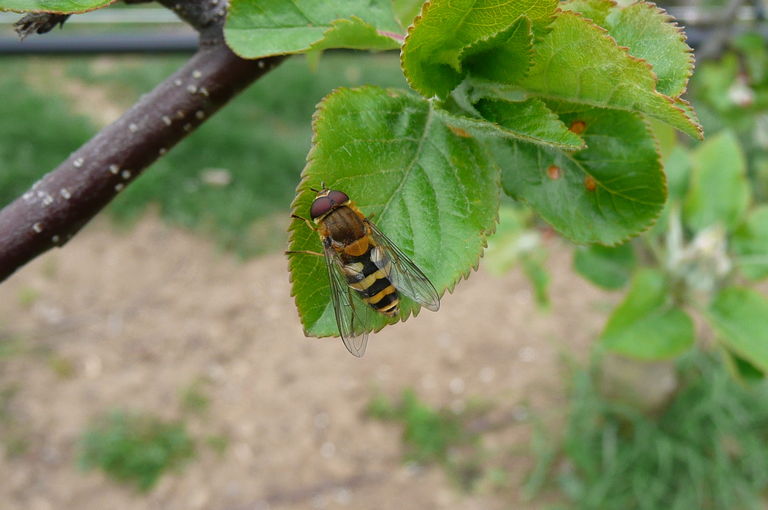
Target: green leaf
x: 752, y: 46
x: 530, y: 121
x: 739, y: 316
x: 406, y: 10
x: 504, y: 57
x: 677, y: 166
x: 433, y: 50
x: 527, y: 120
x: 719, y: 190
x: 645, y: 325
x: 605, y: 193
x: 433, y: 192
x: 750, y: 244
x: 650, y: 34
x: 56, y: 6
x: 577, y: 61
x: 606, y: 266
x: 277, y: 27
x: 742, y: 369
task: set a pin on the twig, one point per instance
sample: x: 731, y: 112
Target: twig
x: 64, y: 200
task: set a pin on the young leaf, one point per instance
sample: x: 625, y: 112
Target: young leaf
x: 55, y: 6
x: 605, y: 193
x: 719, y: 190
x: 433, y: 50
x: 530, y: 121
x: 430, y: 190
x: 739, y: 316
x: 645, y: 325
x: 606, y: 266
x: 276, y: 27
x: 649, y: 33
x: 504, y: 57
x: 577, y: 61
x: 750, y: 244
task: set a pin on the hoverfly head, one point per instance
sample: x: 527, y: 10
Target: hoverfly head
x: 326, y: 201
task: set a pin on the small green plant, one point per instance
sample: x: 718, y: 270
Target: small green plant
x: 194, y: 398
x: 434, y: 436
x: 135, y: 449
x: 707, y: 450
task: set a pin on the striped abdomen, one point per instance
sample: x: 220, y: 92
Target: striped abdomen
x: 368, y: 275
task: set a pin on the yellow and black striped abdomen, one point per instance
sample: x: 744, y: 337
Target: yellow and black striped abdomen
x: 371, y: 281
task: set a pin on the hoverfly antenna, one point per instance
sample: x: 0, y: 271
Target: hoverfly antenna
x: 315, y: 190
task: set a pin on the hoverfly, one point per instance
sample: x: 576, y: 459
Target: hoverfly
x: 366, y: 270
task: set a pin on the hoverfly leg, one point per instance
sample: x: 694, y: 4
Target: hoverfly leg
x: 309, y: 223
x: 305, y: 252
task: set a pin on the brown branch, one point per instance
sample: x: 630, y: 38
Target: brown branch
x: 62, y: 202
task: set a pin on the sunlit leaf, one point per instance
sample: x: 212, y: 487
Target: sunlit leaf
x: 432, y: 191
x: 649, y: 33
x: 276, y: 27
x: 603, y: 194
x: 55, y: 6
x: 577, y: 61
x: 436, y: 43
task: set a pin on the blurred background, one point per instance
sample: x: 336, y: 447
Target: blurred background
x: 157, y: 361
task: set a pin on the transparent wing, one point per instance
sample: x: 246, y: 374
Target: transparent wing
x: 404, y: 274
x: 352, y: 315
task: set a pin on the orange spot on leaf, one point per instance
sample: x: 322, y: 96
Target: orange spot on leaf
x: 578, y: 126
x: 554, y: 172
x: 590, y: 183
x: 459, y: 132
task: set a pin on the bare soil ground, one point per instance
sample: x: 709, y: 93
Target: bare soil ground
x: 130, y: 320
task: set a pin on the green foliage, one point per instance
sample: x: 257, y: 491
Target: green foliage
x: 695, y: 261
x: 544, y: 94
x: 707, y: 449
x: 57, y: 6
x: 135, y: 449
x: 719, y: 191
x: 276, y: 27
x: 448, y: 33
x: 194, y: 398
x: 750, y: 244
x: 609, y: 267
x: 431, y: 190
x: 26, y: 150
x: 647, y: 325
x: 604, y: 193
x: 578, y: 62
x: 428, y: 434
x: 740, y: 316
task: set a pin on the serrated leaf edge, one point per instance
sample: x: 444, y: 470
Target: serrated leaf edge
x: 669, y: 100
x: 652, y: 221
x: 53, y: 11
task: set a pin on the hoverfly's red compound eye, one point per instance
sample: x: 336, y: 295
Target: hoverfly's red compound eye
x: 338, y: 197
x: 320, y: 206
